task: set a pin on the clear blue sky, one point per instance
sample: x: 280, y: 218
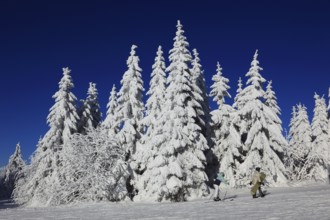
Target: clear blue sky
x: 94, y: 37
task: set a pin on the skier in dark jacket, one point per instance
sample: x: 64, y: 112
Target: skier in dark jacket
x: 217, y: 181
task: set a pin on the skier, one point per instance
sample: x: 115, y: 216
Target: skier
x: 257, y: 181
x: 217, y: 181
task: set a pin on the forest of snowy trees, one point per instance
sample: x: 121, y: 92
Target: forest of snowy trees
x: 170, y: 147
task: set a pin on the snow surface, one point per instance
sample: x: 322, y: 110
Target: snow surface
x: 304, y: 202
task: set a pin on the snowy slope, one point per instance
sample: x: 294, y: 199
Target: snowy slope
x: 308, y: 202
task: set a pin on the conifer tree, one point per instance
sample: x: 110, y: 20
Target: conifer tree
x: 227, y: 138
x: 131, y: 113
x: 111, y: 123
x: 316, y: 163
x: 181, y: 161
x: 12, y: 172
x: 90, y: 114
x: 41, y: 176
x: 130, y: 104
x: 300, y: 141
x: 146, y: 148
x: 257, y: 116
x: 237, y: 100
x: 203, y: 117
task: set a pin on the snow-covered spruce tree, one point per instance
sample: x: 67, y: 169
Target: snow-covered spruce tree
x: 227, y: 139
x: 277, y: 140
x: 290, y: 158
x: 237, y: 100
x: 12, y: 172
x: 41, y: 176
x: 203, y: 114
x: 315, y: 167
x: 94, y: 168
x: 111, y: 123
x: 130, y: 104
x: 258, y: 118
x: 89, y: 113
x: 181, y: 161
x: 300, y: 141
x: 148, y: 149
x: 131, y: 112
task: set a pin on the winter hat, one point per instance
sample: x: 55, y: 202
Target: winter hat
x: 258, y: 169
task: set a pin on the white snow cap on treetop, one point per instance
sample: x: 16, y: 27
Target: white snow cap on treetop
x: 179, y: 25
x: 66, y: 70
x: 133, y: 49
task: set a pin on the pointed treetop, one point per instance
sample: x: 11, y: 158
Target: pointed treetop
x: 179, y: 25
x: 159, y: 51
x: 113, y: 88
x: 255, y: 55
x: 18, y: 149
x: 133, y: 50
x: 219, y: 69
x: 316, y: 96
x: 66, y: 70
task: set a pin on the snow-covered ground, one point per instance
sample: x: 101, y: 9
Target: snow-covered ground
x: 305, y: 202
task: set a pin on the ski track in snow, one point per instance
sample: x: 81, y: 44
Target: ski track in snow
x: 307, y: 202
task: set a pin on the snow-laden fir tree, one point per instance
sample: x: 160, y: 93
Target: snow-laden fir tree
x: 89, y: 113
x: 271, y: 100
x: 290, y: 158
x: 131, y: 112
x: 41, y: 176
x: 315, y: 167
x: 181, y: 161
x: 94, y: 168
x: 12, y: 173
x: 237, y: 100
x: 148, y: 150
x: 300, y: 141
x: 203, y: 114
x: 130, y: 104
x: 277, y: 140
x: 227, y: 140
x: 112, y: 123
x: 258, y: 118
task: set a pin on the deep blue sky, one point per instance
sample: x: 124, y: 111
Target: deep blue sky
x: 93, y: 38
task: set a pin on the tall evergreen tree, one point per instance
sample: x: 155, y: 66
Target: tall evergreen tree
x: 227, y: 138
x: 182, y: 159
x: 130, y: 104
x: 300, y: 141
x: 112, y: 123
x: 237, y: 100
x: 90, y: 113
x: 271, y: 100
x: 148, y: 150
x: 317, y: 161
x: 41, y: 176
x: 203, y: 114
x: 12, y: 172
x: 256, y: 135
x: 277, y: 140
x: 131, y: 113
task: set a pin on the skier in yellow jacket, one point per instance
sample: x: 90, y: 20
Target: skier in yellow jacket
x: 257, y: 181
